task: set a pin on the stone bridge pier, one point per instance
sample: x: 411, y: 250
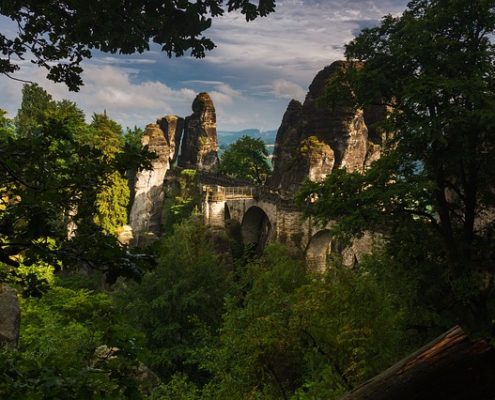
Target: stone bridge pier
x: 263, y: 216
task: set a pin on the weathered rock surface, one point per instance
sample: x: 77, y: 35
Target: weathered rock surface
x: 199, y: 147
x: 319, y: 156
x: 145, y: 215
x: 287, y: 143
x: 172, y: 126
x: 10, y: 317
x: 361, y: 246
x: 350, y: 144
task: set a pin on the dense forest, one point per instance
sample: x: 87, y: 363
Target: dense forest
x: 196, y: 315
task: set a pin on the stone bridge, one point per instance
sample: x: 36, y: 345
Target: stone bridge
x: 311, y: 143
x: 265, y: 216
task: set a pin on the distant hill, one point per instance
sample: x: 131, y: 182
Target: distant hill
x: 226, y: 138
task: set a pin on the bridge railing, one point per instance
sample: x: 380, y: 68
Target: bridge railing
x: 235, y: 192
x: 215, y: 178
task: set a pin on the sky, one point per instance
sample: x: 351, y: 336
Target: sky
x: 251, y: 75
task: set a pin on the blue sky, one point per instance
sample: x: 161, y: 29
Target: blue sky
x: 253, y: 73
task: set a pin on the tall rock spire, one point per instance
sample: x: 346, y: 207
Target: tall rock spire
x: 199, y: 147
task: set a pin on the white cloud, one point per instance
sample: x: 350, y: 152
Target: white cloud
x: 107, y: 88
x: 119, y: 60
x: 130, y: 103
x: 255, y: 69
x: 296, y: 41
x: 288, y: 90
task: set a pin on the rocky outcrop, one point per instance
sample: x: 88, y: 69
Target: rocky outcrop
x: 319, y: 156
x: 199, y: 147
x: 342, y: 134
x: 145, y: 215
x: 172, y: 126
x: 197, y: 138
x: 10, y: 317
x: 287, y: 143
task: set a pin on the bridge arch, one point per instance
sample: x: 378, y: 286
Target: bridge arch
x: 318, y: 251
x: 255, y: 229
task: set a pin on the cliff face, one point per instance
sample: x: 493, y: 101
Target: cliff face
x: 199, y: 147
x: 10, y: 317
x: 145, y: 213
x: 313, y: 140
x: 172, y: 127
x: 287, y: 143
x: 198, y: 151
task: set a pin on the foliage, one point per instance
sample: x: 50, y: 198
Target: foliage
x: 310, y: 146
x: 54, y: 172
x: 6, y: 126
x: 179, y: 304
x: 289, y: 333
x: 246, y: 159
x: 59, y: 36
x: 111, y: 204
x: 260, y: 355
x: 60, y: 337
x: 178, y: 388
x: 35, y: 102
x: 181, y: 199
x: 431, y: 192
x: 112, y: 200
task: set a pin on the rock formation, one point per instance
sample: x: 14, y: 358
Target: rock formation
x: 172, y: 126
x: 340, y: 138
x: 199, y: 147
x: 145, y: 215
x: 10, y: 317
x: 197, y: 138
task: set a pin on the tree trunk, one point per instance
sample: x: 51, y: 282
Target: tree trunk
x: 450, y: 367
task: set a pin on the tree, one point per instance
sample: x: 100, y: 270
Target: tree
x: 113, y: 199
x: 246, y: 159
x: 63, y: 339
x: 179, y: 305
x: 431, y: 194
x: 290, y: 334
x: 35, y: 102
x: 51, y: 174
x: 60, y: 35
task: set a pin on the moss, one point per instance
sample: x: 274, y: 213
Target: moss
x: 311, y: 147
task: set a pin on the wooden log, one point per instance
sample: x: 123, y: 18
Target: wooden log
x: 451, y: 367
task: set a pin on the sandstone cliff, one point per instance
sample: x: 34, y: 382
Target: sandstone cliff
x: 145, y: 215
x: 199, y: 147
x: 172, y: 126
x: 197, y: 138
x: 315, y: 139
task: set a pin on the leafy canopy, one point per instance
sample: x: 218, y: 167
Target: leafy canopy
x: 246, y: 159
x: 431, y: 193
x: 290, y: 334
x: 62, y: 342
x: 178, y: 305
x: 58, y: 173
x: 60, y: 35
